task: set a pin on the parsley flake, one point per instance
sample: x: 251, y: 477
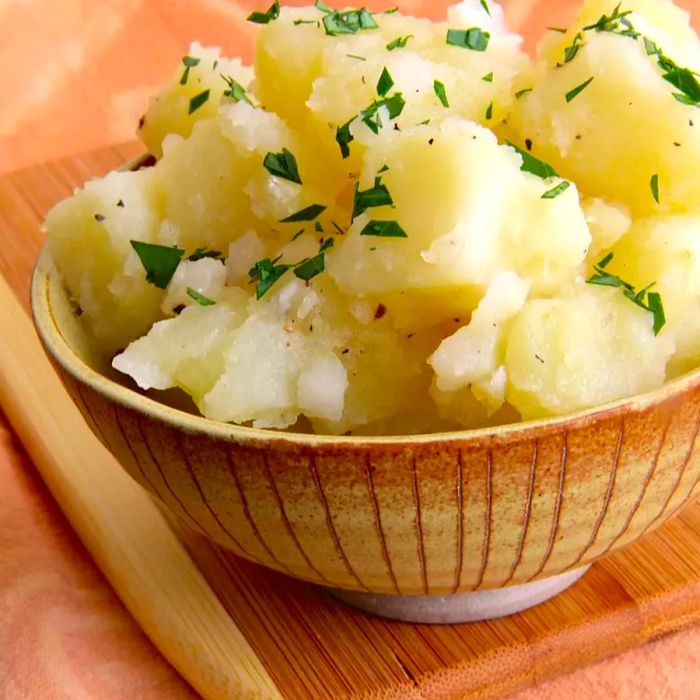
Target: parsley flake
x: 199, y: 298
x: 488, y: 78
x: 649, y: 301
x: 578, y: 89
x: 521, y: 93
x: 188, y: 62
x: 485, y: 5
x: 343, y: 137
x: 348, y: 22
x: 371, y: 116
x: 266, y: 272
x: 384, y: 229
x: 201, y: 253
x: 399, y: 42
x: 235, y: 90
x: 489, y: 111
x: 560, y: 30
x: 654, y: 185
x: 376, y: 196
x: 439, y: 90
x: 534, y: 165
x: 159, y: 261
x: 323, y: 7
x: 474, y: 38
x: 282, y: 165
x: 556, y: 191
x: 272, y: 12
x: 681, y: 78
x: 307, y: 214
x: 385, y: 82
x: 198, y: 100
x: 357, y: 58
x: 650, y: 47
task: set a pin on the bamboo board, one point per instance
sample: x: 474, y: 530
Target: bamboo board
x: 234, y: 629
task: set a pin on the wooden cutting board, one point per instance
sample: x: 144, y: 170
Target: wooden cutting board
x: 234, y: 629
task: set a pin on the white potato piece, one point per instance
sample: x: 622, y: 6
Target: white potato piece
x: 572, y: 353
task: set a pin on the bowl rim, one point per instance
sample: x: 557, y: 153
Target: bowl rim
x: 59, y: 349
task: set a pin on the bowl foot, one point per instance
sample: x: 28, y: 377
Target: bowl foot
x: 460, y: 607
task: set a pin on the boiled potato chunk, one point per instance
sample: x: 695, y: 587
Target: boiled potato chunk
x: 468, y: 212
x: 615, y: 156
x: 89, y: 236
x: 169, y: 112
x: 567, y: 354
x: 666, y: 250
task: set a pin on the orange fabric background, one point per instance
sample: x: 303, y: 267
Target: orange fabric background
x: 74, y: 76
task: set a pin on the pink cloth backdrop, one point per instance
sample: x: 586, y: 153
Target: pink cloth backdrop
x: 75, y: 75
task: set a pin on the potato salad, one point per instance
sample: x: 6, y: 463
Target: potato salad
x: 389, y: 225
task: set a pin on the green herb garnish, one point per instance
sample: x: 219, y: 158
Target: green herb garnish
x: 560, y: 30
x: 376, y: 196
x: 235, y: 90
x: 198, y: 100
x: 654, y: 185
x: 272, y: 12
x: 488, y: 78
x: 650, y: 47
x: 201, y: 253
x: 399, y: 42
x: 307, y: 214
x: 556, y: 191
x: 266, y: 272
x: 385, y: 82
x: 322, y: 6
x: 318, y: 226
x: 343, y: 137
x: 649, y: 301
x: 159, y: 261
x: 358, y: 58
x: 485, y: 5
x: 200, y: 298
x: 681, y: 78
x: 534, y: 165
x: 188, y: 62
x: 610, y: 23
x: 474, y: 38
x: 522, y: 93
x: 371, y: 116
x: 439, y: 90
x: 282, y: 165
x: 384, y: 229
x: 578, y: 89
x: 297, y: 22
x: 348, y: 22
x: 489, y: 111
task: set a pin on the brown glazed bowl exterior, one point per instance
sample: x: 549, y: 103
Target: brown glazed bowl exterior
x: 427, y: 514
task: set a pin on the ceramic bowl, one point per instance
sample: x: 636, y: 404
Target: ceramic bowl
x: 453, y: 526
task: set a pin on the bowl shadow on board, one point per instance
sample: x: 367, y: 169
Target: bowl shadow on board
x: 435, y: 528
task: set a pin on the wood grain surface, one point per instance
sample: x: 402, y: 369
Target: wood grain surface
x: 309, y: 646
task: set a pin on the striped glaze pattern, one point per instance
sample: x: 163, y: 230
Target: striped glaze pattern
x: 425, y: 515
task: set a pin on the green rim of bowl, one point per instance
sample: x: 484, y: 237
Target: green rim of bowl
x: 63, y: 354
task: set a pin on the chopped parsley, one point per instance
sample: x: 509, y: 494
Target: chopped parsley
x: 322, y: 6
x: 611, y: 23
x: 308, y: 269
x: 384, y: 229
x: 200, y: 298
x: 560, y: 30
x: 399, y: 42
x: 570, y: 52
x: 556, y: 191
x: 272, y: 12
x: 485, y: 5
x: 650, y: 47
x: 488, y: 78
x: 391, y: 11
x: 307, y: 214
x: 343, y: 137
x: 649, y: 301
x: 159, y: 261
x: 318, y: 226
x: 201, y: 253
x: 357, y: 58
x: 385, y: 83
x: 188, y: 62
x: 371, y: 116
x: 282, y: 165
x: 681, y: 78
x: 474, y: 38
x: 439, y: 90
x: 578, y: 89
x: 534, y: 165
x: 376, y: 196
x: 235, y: 90
x: 348, y: 22
x: 654, y: 185
x: 198, y: 100
x: 383, y: 169
x: 266, y: 272
x: 489, y: 111
x: 297, y: 22
x: 522, y: 93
